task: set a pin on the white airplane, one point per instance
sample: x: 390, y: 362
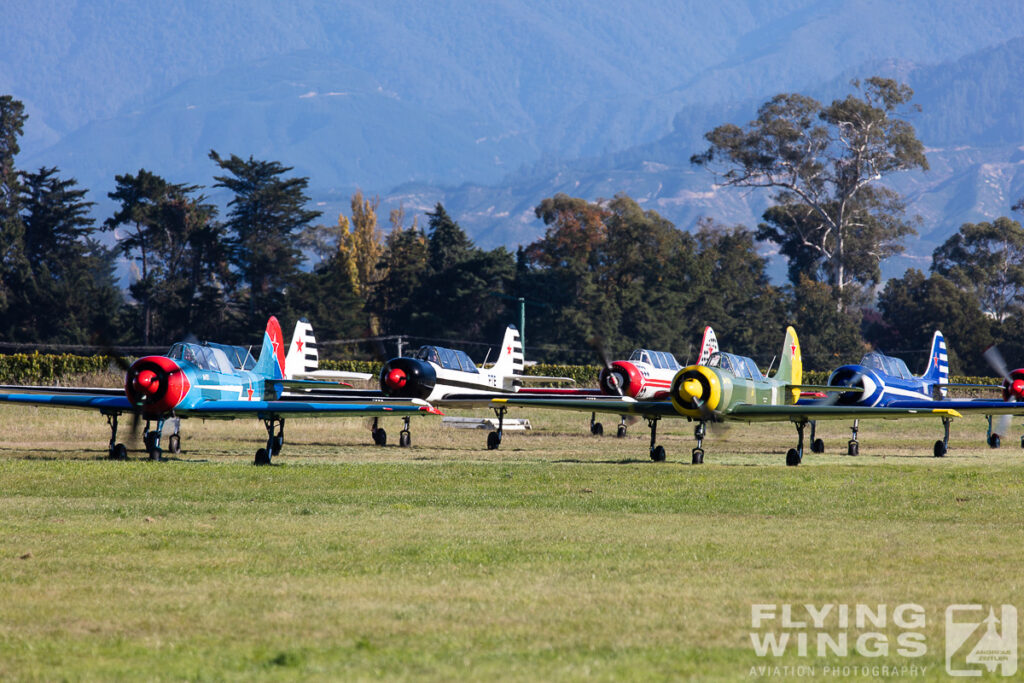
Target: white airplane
x: 430, y: 374
x: 646, y: 376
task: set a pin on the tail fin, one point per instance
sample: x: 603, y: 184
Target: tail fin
x: 271, y: 361
x: 791, y: 365
x: 708, y: 346
x: 510, y: 355
x: 302, y: 354
x: 938, y: 362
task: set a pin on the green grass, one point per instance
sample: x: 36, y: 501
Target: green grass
x: 560, y: 556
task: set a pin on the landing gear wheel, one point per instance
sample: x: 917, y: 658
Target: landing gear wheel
x: 853, y: 448
x: 404, y: 439
x: 118, y: 452
x: 940, y: 449
x: 817, y: 446
x: 262, y: 457
x: 698, y: 456
x: 278, y: 445
x: 380, y: 437
x: 174, y: 444
x: 1022, y: 442
x: 493, y: 441
x: 792, y: 457
x: 148, y: 439
x: 156, y: 453
x: 658, y: 454
x: 597, y: 429
x: 621, y: 432
x: 993, y: 441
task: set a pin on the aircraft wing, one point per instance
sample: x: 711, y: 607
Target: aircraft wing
x: 226, y: 409
x: 598, y: 404
x: 978, y: 406
x: 108, y: 404
x: 265, y: 409
x: 40, y: 389
x: 775, y: 413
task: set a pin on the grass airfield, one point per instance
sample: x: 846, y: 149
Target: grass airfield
x: 559, y: 556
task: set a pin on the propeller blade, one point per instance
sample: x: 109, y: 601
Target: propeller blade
x: 996, y: 362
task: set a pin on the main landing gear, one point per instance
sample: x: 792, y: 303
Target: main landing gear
x: 596, y: 428
x: 657, y: 452
x: 942, y: 447
x: 380, y: 437
x: 494, y: 438
x: 275, y: 441
x: 116, y: 451
x: 794, y: 456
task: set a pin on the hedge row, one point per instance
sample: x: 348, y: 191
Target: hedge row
x: 37, y: 368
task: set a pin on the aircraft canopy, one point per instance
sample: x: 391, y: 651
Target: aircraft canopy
x: 449, y: 359
x: 741, y: 366
x: 203, y: 357
x: 894, y: 367
x: 662, y: 360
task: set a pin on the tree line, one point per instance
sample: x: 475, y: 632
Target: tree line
x: 607, y: 273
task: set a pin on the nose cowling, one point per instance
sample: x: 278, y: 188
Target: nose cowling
x: 407, y: 378
x: 155, y: 384
x: 620, y: 378
x: 857, y: 377
x: 1013, y: 388
x: 695, y: 388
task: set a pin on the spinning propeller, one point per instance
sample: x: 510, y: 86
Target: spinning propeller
x: 611, y: 377
x: 1013, y: 389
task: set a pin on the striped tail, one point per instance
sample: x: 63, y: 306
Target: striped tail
x: 938, y: 363
x: 510, y: 355
x: 708, y: 346
x: 302, y: 354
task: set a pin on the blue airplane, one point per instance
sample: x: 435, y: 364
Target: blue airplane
x: 885, y: 381
x: 209, y: 381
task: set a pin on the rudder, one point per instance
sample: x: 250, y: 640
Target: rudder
x: 302, y: 354
x: 510, y: 356
x: 791, y: 365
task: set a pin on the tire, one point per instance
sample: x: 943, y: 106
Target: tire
x: 404, y: 439
x: 597, y: 429
x: 278, y: 445
x: 174, y: 444
x: 262, y: 458
x: 939, y: 450
x: 156, y: 454
x: 792, y: 457
x: 119, y: 452
x: 621, y: 432
x: 380, y: 437
x: 993, y: 441
x: 853, y: 448
x: 1022, y: 442
x: 698, y: 456
x: 658, y: 454
x: 818, y: 446
x: 147, y: 440
x: 493, y: 441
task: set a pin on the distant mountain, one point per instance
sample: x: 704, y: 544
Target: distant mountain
x: 490, y: 107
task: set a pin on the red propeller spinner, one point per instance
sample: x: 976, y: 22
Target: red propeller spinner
x: 156, y: 384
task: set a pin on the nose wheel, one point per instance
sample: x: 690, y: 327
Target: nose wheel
x: 379, y: 436
x: 621, y: 431
x: 151, y: 438
x: 699, y: 432
x: 405, y: 437
x: 853, y: 446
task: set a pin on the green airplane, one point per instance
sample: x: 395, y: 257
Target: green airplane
x: 729, y: 388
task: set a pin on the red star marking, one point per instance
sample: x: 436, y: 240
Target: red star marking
x: 298, y: 344
x: 936, y: 361
x: 250, y: 392
x: 792, y: 349
x: 508, y: 350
